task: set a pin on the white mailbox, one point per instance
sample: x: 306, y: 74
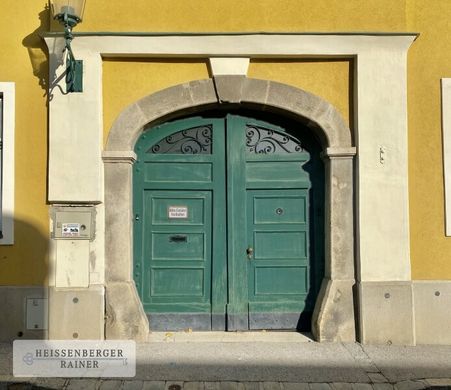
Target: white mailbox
x: 73, y: 223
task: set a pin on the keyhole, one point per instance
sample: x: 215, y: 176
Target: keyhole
x: 279, y: 211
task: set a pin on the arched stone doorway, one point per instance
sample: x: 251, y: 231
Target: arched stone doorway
x: 333, y: 317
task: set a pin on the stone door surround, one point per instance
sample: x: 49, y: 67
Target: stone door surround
x: 334, y: 312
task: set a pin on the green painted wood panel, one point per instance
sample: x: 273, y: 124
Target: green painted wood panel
x: 280, y: 281
x: 178, y: 245
x: 178, y: 172
x: 172, y: 282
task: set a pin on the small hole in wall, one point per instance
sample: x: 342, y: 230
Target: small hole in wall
x: 387, y: 295
x: 19, y: 334
x: 437, y: 293
x: 75, y: 300
x: 75, y: 335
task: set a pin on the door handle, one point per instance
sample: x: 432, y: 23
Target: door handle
x: 250, y: 252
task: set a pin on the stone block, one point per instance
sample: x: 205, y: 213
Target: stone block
x: 272, y: 386
x: 376, y: 377
x: 132, y: 385
x: 298, y: 386
x: 110, y: 385
x: 432, y: 314
x: 410, y: 385
x: 76, y: 313
x: 125, y: 317
x: 319, y: 386
x: 229, y: 88
x: 386, y: 313
x: 341, y: 386
x: 361, y: 386
x: 174, y: 385
x: 231, y: 386
x: 13, y: 301
x: 333, y: 317
x: 252, y: 386
x: 193, y: 386
x: 382, y: 386
x: 154, y: 385
x: 82, y: 384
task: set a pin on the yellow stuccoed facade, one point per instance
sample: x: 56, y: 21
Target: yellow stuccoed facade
x: 24, y: 61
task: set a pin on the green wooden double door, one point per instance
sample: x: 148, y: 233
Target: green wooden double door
x: 223, y: 230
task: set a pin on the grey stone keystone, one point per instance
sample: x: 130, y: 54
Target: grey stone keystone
x: 229, y: 88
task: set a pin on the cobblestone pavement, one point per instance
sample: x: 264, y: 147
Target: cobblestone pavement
x: 262, y: 366
x: 97, y: 384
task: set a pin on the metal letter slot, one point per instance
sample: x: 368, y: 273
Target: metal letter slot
x: 178, y: 238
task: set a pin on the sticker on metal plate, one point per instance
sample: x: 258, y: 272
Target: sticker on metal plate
x: 70, y: 230
x: 177, y: 212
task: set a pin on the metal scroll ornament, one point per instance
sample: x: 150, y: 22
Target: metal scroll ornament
x: 196, y: 140
x: 263, y: 141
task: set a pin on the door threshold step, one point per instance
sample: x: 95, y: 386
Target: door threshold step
x: 229, y: 337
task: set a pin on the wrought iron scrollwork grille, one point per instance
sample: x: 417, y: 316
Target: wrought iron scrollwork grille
x: 264, y: 141
x: 196, y: 140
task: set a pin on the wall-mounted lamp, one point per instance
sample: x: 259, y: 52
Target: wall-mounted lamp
x: 69, y: 13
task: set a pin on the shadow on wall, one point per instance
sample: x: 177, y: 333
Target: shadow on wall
x: 37, y: 50
x: 24, y: 272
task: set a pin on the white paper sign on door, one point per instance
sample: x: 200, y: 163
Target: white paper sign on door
x: 177, y: 212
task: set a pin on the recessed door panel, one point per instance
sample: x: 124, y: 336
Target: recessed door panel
x: 179, y: 172
x: 280, y: 281
x: 279, y: 245
x: 276, y: 209
x: 171, y: 208
x: 184, y: 282
x: 179, y: 246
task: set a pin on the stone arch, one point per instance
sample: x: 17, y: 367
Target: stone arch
x: 263, y: 94
x: 333, y: 318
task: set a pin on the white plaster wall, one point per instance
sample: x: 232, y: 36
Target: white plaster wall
x: 75, y: 129
x: 7, y: 89
x: 382, y: 180
x: 446, y: 131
